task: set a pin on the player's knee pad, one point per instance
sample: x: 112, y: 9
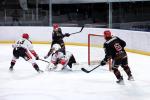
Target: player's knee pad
x: 114, y: 69
x: 26, y: 58
x: 14, y: 58
x: 125, y: 67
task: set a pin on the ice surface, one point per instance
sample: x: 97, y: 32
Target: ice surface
x: 26, y: 84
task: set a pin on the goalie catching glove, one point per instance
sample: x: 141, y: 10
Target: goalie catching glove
x: 37, y: 57
x: 45, y: 57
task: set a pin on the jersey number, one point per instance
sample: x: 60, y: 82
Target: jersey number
x: 117, y: 47
x: 20, y: 42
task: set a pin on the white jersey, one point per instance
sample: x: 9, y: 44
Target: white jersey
x: 24, y: 43
x: 59, y: 56
x: 59, y: 61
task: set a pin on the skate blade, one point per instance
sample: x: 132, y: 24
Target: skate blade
x: 131, y: 79
x: 121, y: 83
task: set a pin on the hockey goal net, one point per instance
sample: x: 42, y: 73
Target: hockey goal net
x: 95, y: 48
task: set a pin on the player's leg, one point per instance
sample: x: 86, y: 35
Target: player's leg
x: 63, y: 48
x: 127, y: 68
x: 72, y: 60
x: 26, y: 55
x: 13, y: 61
x: 115, y: 65
x: 50, y: 51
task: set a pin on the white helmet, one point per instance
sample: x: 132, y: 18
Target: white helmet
x: 56, y: 47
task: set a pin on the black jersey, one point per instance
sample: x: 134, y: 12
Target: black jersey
x: 57, y: 35
x: 114, y: 48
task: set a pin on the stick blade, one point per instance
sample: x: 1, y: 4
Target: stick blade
x: 84, y: 70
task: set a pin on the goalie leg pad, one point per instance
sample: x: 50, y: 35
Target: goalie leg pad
x: 51, y: 66
x: 59, y: 67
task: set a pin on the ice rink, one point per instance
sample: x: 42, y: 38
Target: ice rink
x: 26, y: 84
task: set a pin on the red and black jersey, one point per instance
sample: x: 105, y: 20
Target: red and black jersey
x: 114, y: 48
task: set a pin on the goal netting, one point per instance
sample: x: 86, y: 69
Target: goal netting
x: 95, y: 48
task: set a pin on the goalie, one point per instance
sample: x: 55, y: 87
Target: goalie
x: 58, y: 60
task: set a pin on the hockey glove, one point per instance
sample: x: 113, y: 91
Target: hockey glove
x: 102, y: 63
x: 67, y: 34
x: 45, y: 57
x: 37, y: 57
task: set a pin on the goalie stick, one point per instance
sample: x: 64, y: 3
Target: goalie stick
x: 79, y: 31
x: 44, y: 60
x: 88, y: 71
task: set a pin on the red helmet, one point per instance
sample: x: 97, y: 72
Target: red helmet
x: 25, y: 35
x: 55, y: 26
x: 107, y: 34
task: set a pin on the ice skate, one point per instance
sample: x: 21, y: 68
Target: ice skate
x: 11, y: 68
x: 40, y: 71
x: 120, y: 81
x: 130, y: 78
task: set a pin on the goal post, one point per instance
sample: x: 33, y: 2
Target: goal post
x: 96, y: 52
x: 95, y: 45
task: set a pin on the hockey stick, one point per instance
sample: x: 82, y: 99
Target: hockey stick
x: 79, y: 31
x: 44, y: 60
x: 88, y: 71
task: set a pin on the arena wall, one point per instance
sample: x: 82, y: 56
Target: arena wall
x: 138, y: 42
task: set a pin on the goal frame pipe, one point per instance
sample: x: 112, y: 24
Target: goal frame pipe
x: 89, y: 35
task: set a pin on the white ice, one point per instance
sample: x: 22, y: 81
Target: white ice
x: 26, y: 84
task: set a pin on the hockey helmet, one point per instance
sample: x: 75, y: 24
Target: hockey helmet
x: 56, y: 47
x: 55, y: 26
x: 107, y: 34
x: 25, y: 35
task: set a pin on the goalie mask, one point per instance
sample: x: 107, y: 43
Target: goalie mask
x: 56, y: 47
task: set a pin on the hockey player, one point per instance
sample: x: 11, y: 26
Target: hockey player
x: 57, y: 37
x: 114, y: 49
x: 24, y: 48
x: 58, y: 60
